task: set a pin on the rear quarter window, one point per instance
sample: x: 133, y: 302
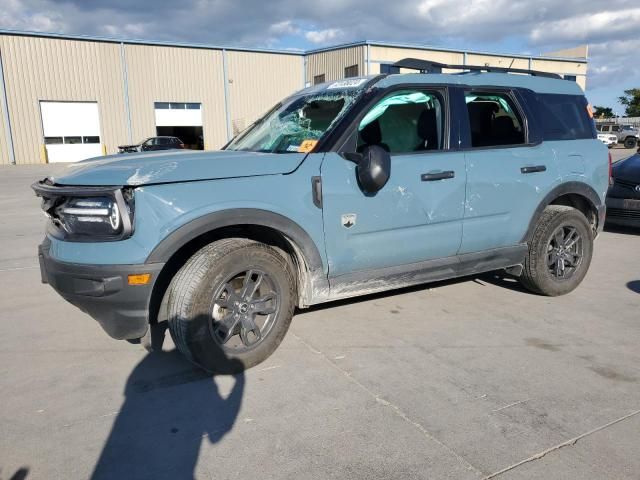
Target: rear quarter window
x: 565, y: 117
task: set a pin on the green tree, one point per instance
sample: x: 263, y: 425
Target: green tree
x: 631, y: 101
x: 603, y: 112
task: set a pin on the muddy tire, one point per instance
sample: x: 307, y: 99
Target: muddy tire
x: 231, y: 304
x: 560, y: 252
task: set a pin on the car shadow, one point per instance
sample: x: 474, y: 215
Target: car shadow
x: 21, y: 474
x: 620, y: 229
x: 634, y: 286
x: 170, y: 406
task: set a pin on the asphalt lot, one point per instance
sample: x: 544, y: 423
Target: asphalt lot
x: 461, y: 380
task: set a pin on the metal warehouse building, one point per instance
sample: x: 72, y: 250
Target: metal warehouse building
x: 65, y: 98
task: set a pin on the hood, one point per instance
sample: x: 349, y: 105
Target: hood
x: 628, y: 169
x: 169, y: 166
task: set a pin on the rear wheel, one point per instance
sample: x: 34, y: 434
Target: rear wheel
x: 559, y: 252
x: 231, y: 304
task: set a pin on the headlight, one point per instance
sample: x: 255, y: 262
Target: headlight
x: 87, y: 213
x: 92, y: 216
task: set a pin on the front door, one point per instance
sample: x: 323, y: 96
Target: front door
x: 418, y: 214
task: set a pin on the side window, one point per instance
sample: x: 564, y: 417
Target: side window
x: 493, y: 120
x: 566, y: 117
x: 615, y: 128
x: 605, y: 128
x: 403, y: 122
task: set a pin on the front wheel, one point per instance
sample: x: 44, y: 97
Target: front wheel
x: 559, y: 252
x: 231, y: 304
x: 630, y: 142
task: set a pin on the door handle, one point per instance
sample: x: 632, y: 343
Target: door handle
x: 432, y: 177
x: 534, y: 169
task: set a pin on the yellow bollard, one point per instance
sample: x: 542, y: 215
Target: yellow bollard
x: 44, y: 157
x: 104, y: 150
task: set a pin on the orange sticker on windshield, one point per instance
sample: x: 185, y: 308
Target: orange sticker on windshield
x: 590, y: 110
x: 307, y: 146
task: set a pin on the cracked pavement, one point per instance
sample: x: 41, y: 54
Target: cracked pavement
x: 467, y: 379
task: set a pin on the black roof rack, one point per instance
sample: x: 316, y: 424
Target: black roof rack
x: 427, y: 66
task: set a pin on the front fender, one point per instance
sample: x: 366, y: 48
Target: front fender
x: 238, y: 216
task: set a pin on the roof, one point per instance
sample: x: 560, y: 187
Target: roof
x: 537, y: 84
x: 294, y: 52
x: 417, y: 46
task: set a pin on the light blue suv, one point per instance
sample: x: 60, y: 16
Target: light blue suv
x: 343, y: 189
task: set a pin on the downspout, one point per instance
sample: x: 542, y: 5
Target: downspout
x: 125, y: 81
x: 7, y: 118
x: 226, y: 94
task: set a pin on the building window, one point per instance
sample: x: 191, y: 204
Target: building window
x: 53, y: 140
x: 176, y: 106
x: 72, y: 140
x: 387, y: 68
x: 91, y: 139
x: 318, y: 79
x: 351, y: 71
x: 571, y: 78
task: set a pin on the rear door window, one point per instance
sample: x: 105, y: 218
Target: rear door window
x: 493, y: 119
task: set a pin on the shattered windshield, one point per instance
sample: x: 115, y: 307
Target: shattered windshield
x: 298, y: 124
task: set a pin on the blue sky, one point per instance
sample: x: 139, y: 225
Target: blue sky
x: 611, y: 29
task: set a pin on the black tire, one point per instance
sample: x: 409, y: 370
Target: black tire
x: 205, y: 288
x: 630, y: 142
x: 542, y: 276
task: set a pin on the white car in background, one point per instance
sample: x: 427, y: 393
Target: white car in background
x: 608, y: 139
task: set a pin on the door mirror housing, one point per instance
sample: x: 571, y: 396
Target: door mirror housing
x: 373, y: 169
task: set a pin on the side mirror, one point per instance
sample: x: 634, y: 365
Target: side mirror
x: 374, y: 169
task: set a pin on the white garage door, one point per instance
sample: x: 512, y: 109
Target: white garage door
x: 71, y: 130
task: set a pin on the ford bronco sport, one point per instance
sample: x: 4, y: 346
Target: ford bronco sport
x: 343, y: 189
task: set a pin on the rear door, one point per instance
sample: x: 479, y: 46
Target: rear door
x: 508, y: 171
x: 418, y: 214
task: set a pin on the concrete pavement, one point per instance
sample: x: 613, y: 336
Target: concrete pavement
x: 461, y: 379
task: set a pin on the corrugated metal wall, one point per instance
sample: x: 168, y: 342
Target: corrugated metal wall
x: 393, y: 54
x: 56, y: 69
x: 62, y: 70
x: 333, y: 62
x: 257, y: 81
x: 171, y: 74
x: 563, y: 67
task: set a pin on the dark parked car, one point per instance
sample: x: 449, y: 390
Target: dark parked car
x: 623, y: 198
x: 153, y: 143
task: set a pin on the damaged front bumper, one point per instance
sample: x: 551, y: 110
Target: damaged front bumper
x: 103, y: 292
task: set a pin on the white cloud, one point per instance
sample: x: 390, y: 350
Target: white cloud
x: 285, y: 27
x: 610, y: 28
x: 323, y: 36
x: 580, y: 28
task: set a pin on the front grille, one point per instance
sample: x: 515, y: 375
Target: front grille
x: 620, y: 213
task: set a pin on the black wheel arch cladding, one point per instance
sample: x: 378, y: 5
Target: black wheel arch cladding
x: 568, y: 188
x: 238, y: 217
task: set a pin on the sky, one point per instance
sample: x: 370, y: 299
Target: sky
x: 611, y: 28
